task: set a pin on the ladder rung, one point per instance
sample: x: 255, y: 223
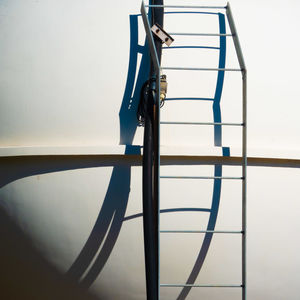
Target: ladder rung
x: 201, y: 177
x: 202, y: 285
x: 199, y: 69
x: 189, y: 98
x: 200, y: 34
x: 186, y: 6
x: 202, y: 123
x: 191, y: 47
x: 202, y: 231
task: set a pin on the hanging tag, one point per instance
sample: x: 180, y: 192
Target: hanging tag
x: 162, y: 35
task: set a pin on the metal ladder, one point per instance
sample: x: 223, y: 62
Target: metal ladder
x: 243, y: 178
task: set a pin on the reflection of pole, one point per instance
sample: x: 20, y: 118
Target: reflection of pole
x: 244, y: 189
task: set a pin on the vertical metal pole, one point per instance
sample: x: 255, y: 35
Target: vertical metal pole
x: 244, y: 190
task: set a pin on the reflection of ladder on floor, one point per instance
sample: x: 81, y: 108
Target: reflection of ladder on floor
x: 157, y: 176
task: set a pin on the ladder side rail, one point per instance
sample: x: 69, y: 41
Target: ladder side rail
x: 244, y: 189
x: 235, y: 37
x: 244, y: 148
x: 150, y: 39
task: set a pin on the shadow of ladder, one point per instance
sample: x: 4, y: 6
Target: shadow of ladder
x: 217, y: 125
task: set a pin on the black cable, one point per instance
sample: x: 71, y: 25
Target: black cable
x: 148, y: 211
x: 146, y: 117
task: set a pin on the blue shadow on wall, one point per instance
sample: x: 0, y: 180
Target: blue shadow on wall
x: 111, y: 216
